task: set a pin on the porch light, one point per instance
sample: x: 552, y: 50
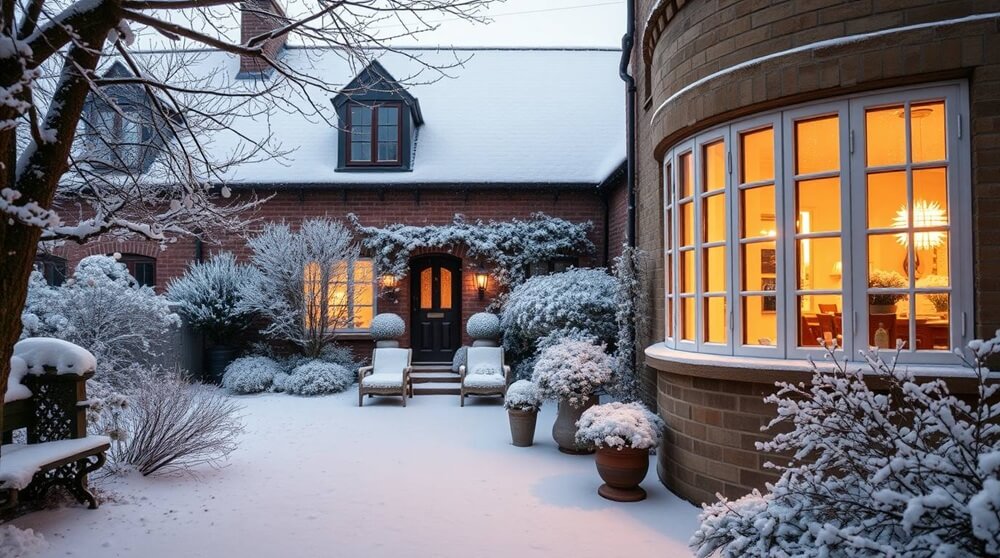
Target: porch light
x: 389, y: 282
x: 482, y: 281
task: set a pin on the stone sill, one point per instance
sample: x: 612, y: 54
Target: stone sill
x: 354, y: 336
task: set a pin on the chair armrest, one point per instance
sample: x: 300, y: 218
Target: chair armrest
x: 461, y: 372
x: 364, y: 371
x: 506, y: 374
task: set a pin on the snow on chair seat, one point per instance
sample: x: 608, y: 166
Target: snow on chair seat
x: 389, y: 374
x: 484, y: 373
x: 19, y: 463
x: 485, y: 380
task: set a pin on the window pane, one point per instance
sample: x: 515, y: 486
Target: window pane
x: 715, y: 319
x: 933, y: 322
x: 670, y: 318
x: 820, y: 317
x: 668, y: 263
x: 758, y: 212
x: 685, y: 176
x: 388, y: 115
x: 760, y: 322
x: 819, y: 263
x: 715, y: 269
x: 688, y: 331
x: 930, y: 186
x: 687, y: 272
x: 885, y: 136
x: 888, y: 323
x: 427, y: 288
x: 668, y: 230
x: 818, y: 204
x: 931, y: 254
x: 886, y: 199
x: 361, y: 115
x: 445, y: 289
x: 361, y: 151
x: 312, y: 292
x: 361, y: 133
x: 387, y: 151
x: 759, y: 266
x: 817, y: 145
x: 714, y: 209
x: 927, y: 132
x: 757, y: 156
x: 714, y: 166
x: 888, y: 266
x: 364, y: 271
x: 687, y: 224
x: 362, y: 317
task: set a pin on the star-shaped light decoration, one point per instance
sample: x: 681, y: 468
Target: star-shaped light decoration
x: 925, y: 214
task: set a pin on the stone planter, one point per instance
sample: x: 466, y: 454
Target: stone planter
x: 217, y: 358
x: 522, y: 427
x: 622, y: 471
x: 564, y: 429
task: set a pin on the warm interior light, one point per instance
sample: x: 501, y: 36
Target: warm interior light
x: 925, y: 214
x: 389, y: 281
x: 482, y: 281
x: 838, y: 269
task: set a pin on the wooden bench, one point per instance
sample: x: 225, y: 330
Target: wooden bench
x: 58, y: 451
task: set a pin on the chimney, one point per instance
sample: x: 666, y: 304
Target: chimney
x: 258, y: 17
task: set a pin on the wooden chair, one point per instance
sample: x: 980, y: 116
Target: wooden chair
x: 828, y: 308
x: 484, y: 373
x: 887, y: 322
x: 828, y: 323
x: 389, y: 374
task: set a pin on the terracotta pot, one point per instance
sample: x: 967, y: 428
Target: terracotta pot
x: 522, y: 427
x: 564, y: 430
x: 622, y: 471
x: 882, y: 308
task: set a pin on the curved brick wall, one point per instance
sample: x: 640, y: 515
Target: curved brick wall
x: 693, y: 69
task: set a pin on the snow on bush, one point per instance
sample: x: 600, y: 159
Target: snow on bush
x: 278, y: 384
x: 20, y: 543
x: 572, y: 370
x: 483, y: 325
x: 104, y: 310
x: 250, y: 374
x: 166, y: 424
x: 620, y: 425
x: 632, y: 319
x: 578, y: 302
x: 523, y: 395
x: 318, y: 377
x: 460, y: 358
x: 387, y: 326
x: 209, y: 296
x: 509, y: 245
x: 339, y: 354
x: 908, y: 470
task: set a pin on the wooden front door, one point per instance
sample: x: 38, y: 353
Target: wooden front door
x: 436, y: 307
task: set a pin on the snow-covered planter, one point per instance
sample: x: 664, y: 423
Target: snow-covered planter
x: 317, y: 377
x: 572, y: 370
x: 619, y: 426
x: 250, y: 374
x: 523, y: 395
x: 483, y: 325
x: 908, y: 470
x: 208, y: 295
x: 387, y: 326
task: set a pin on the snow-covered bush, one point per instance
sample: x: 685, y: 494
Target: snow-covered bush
x: 209, y: 296
x: 166, y: 424
x: 572, y: 370
x: 104, y: 310
x: 339, y: 354
x: 387, y: 326
x: 523, y: 395
x: 294, y: 269
x: 460, y: 358
x: 483, y: 325
x: 317, y: 377
x: 620, y: 425
x: 908, y: 470
x: 632, y: 318
x: 250, y: 374
x: 278, y: 384
x: 577, y: 302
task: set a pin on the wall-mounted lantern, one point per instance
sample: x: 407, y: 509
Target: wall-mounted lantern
x: 482, y: 281
x: 389, y: 283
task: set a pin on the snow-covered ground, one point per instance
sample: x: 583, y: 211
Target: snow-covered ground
x: 319, y: 477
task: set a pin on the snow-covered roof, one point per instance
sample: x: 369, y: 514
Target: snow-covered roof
x: 510, y: 116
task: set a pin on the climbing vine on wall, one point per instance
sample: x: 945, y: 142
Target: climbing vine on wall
x: 508, y: 246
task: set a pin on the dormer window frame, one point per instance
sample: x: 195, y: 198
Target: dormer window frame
x: 374, y: 134
x: 112, y: 151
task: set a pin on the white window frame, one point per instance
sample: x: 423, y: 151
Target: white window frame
x: 853, y: 232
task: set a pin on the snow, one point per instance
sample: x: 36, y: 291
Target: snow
x: 20, y: 462
x: 620, y: 425
x: 323, y: 477
x: 42, y: 352
x: 484, y: 380
x: 15, y: 389
x: 20, y: 543
x: 385, y: 380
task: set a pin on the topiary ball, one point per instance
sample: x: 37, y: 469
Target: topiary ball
x: 483, y: 325
x: 387, y: 326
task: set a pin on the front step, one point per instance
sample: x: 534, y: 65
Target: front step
x: 419, y: 389
x: 435, y: 378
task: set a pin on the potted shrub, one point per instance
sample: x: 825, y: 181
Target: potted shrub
x: 885, y: 303
x: 209, y: 298
x: 571, y: 371
x: 522, y: 403
x: 386, y: 329
x: 624, y: 435
x: 484, y: 329
x: 938, y: 300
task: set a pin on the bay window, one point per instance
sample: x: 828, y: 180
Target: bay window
x: 844, y: 222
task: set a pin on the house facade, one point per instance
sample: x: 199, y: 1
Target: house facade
x: 808, y: 174
x: 509, y: 134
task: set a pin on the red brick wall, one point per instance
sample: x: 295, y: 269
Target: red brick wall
x: 688, y: 40
x: 254, y: 23
x: 617, y: 218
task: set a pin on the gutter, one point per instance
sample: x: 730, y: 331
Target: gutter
x: 628, y: 41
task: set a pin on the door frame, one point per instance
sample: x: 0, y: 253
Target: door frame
x: 454, y: 264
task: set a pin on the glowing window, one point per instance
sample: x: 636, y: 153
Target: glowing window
x: 343, y: 295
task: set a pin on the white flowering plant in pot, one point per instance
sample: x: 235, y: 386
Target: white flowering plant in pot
x: 483, y: 325
x: 619, y: 426
x: 387, y: 326
x: 523, y: 395
x: 572, y: 370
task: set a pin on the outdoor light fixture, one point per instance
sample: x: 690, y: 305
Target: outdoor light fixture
x: 482, y: 280
x: 389, y: 282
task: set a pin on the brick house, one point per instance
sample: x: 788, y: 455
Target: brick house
x: 513, y: 133
x: 808, y: 172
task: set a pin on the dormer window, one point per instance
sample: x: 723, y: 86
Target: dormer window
x: 118, y: 141
x: 374, y: 136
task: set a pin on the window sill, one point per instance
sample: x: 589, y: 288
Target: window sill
x: 373, y: 168
x: 762, y: 370
x: 354, y: 336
